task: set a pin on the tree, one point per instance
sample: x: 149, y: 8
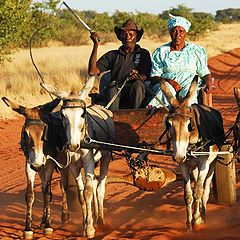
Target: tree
x: 43, y: 22
x: 200, y: 22
x: 120, y: 17
x: 14, y: 17
x: 228, y: 15
x: 153, y: 25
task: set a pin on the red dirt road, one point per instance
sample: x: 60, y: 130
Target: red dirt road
x: 130, y: 213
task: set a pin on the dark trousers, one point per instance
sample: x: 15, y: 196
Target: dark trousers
x: 131, y: 95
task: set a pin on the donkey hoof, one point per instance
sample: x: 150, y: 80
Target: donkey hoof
x: 28, y: 234
x: 48, y: 230
x: 189, y: 230
x: 198, y: 221
x: 90, y: 232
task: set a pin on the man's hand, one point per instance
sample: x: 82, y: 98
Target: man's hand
x: 95, y: 38
x: 134, y: 75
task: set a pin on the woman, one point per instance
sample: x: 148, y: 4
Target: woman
x: 178, y: 62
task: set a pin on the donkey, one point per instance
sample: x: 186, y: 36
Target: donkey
x: 192, y: 128
x: 236, y: 127
x: 38, y: 145
x: 81, y: 122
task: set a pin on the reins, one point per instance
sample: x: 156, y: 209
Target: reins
x: 31, y: 40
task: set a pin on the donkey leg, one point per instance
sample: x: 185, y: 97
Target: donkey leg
x: 188, y: 196
x: 80, y: 184
x: 88, y: 163
x: 63, y: 183
x: 198, y: 193
x: 95, y: 200
x: 76, y: 172
x: 46, y: 176
x: 102, y: 187
x: 88, y: 195
x: 29, y: 198
x: 206, y: 191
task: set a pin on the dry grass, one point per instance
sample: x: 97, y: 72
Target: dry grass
x: 65, y: 67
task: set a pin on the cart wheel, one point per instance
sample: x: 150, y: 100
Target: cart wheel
x: 224, y: 180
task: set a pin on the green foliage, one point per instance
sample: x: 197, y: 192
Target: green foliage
x: 102, y: 23
x: 152, y: 24
x: 42, y: 19
x: 14, y: 17
x: 120, y: 17
x: 181, y: 10
x: 42, y: 22
x: 228, y: 15
x: 201, y: 22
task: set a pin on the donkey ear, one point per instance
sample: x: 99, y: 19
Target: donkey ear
x: 15, y: 107
x: 48, y: 107
x: 237, y: 96
x: 170, y: 97
x: 51, y: 89
x: 192, y: 92
x: 87, y: 88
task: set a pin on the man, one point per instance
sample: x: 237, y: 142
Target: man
x: 130, y: 62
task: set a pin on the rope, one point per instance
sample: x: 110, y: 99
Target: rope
x: 59, y: 164
x: 225, y: 164
x: 117, y: 93
x: 30, y: 45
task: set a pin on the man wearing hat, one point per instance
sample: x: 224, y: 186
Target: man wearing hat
x: 129, y: 62
x: 178, y: 62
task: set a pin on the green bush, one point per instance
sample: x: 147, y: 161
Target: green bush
x: 14, y: 18
x: 43, y: 22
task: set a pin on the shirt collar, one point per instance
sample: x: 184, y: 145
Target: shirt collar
x: 137, y: 49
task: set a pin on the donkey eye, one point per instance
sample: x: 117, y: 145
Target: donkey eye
x: 62, y: 115
x: 168, y: 124
x: 190, y: 127
x: 83, y: 115
x: 25, y: 135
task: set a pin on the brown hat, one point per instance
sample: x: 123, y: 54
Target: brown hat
x: 129, y: 25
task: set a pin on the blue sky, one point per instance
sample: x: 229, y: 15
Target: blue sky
x: 151, y: 6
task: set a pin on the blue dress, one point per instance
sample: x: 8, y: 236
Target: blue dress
x: 180, y: 66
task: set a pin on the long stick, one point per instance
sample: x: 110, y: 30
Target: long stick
x: 79, y: 19
x: 117, y: 94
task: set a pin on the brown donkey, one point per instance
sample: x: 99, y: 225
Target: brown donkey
x: 40, y: 142
x: 194, y: 128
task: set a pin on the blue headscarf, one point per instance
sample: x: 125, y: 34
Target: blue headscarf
x: 178, y: 21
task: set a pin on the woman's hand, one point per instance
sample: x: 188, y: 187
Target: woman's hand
x: 209, y: 86
x: 177, y: 87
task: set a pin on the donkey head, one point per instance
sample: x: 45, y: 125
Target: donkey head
x: 33, y: 131
x: 73, y: 113
x: 180, y: 121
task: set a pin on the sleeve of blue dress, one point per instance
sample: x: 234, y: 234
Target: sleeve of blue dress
x: 157, y: 71
x: 157, y: 64
x: 202, y: 67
